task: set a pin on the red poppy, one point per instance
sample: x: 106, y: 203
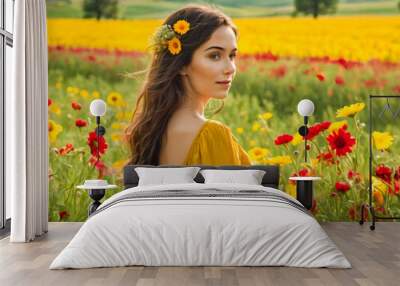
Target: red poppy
x: 49, y: 102
x: 339, y: 80
x: 301, y: 173
x: 92, y: 142
x: 65, y: 150
x: 396, y: 188
x: 375, y: 83
x: 266, y: 57
x: 317, y: 128
x: 341, y: 141
x: 325, y: 125
x: 91, y: 58
x: 327, y: 157
x: 99, y: 165
x: 320, y: 76
x: 63, y: 214
x: 341, y: 186
x: 312, y: 132
x: 353, y: 175
x: 396, y: 89
x: 75, y: 105
x: 397, y: 173
x: 279, y: 72
x: 80, y: 123
x: 383, y: 172
x: 283, y: 139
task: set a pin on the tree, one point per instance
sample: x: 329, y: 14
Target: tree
x: 100, y: 9
x: 316, y: 7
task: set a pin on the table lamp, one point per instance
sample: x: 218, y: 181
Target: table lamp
x: 305, y: 109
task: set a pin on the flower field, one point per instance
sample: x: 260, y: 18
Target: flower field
x: 357, y: 38
x: 334, y: 61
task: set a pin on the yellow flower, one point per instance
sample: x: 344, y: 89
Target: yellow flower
x: 379, y: 185
x: 174, y: 46
x: 265, y: 116
x: 72, y: 90
x: 239, y: 130
x: 116, y: 137
x: 336, y: 125
x: 119, y: 164
x: 291, y: 190
x: 55, y: 109
x: 349, y: 32
x: 258, y: 153
x: 297, y: 139
x: 95, y: 94
x: 123, y: 115
x: 253, y: 143
x: 350, y: 111
x: 116, y: 125
x: 181, y: 27
x: 279, y: 160
x: 58, y: 85
x: 382, y: 140
x: 256, y: 126
x: 84, y: 93
x: 54, y: 130
x: 115, y: 99
x: 378, y: 198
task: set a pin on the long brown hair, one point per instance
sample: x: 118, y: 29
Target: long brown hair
x: 162, y: 92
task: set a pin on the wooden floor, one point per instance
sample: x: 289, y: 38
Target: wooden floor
x: 374, y: 255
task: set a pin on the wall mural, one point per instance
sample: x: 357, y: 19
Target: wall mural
x: 335, y: 57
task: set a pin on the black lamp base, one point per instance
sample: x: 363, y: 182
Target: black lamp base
x: 304, y: 193
x: 96, y: 195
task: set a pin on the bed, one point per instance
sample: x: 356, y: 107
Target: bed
x: 201, y: 224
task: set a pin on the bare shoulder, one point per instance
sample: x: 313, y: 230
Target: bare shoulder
x: 184, y: 126
x: 178, y: 139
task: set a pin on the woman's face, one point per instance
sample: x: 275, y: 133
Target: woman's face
x: 212, y: 69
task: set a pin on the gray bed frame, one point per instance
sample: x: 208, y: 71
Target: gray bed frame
x: 270, y: 179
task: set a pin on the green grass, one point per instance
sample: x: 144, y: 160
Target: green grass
x: 64, y: 9
x: 150, y: 9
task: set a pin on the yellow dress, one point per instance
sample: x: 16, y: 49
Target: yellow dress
x: 215, y: 144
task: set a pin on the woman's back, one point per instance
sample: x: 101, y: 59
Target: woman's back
x: 206, y: 142
x: 178, y: 139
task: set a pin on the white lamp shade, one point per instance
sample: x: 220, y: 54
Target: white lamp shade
x: 98, y: 107
x: 305, y: 107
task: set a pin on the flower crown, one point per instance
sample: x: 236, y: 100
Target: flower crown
x: 168, y: 36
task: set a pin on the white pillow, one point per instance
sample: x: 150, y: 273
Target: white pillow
x: 249, y: 177
x: 162, y: 176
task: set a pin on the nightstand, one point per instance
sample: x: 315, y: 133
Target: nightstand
x: 97, y: 190
x: 304, y: 190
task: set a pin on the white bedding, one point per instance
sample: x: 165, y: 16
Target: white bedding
x: 183, y: 231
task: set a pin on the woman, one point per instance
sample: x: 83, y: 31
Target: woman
x: 193, y: 61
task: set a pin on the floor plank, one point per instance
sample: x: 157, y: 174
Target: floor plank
x: 374, y: 255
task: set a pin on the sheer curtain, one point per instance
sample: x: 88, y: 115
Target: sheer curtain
x: 26, y: 124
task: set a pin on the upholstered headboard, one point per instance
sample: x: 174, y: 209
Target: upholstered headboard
x: 270, y: 179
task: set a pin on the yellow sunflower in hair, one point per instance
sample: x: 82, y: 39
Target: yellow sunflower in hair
x: 181, y: 27
x: 174, y: 46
